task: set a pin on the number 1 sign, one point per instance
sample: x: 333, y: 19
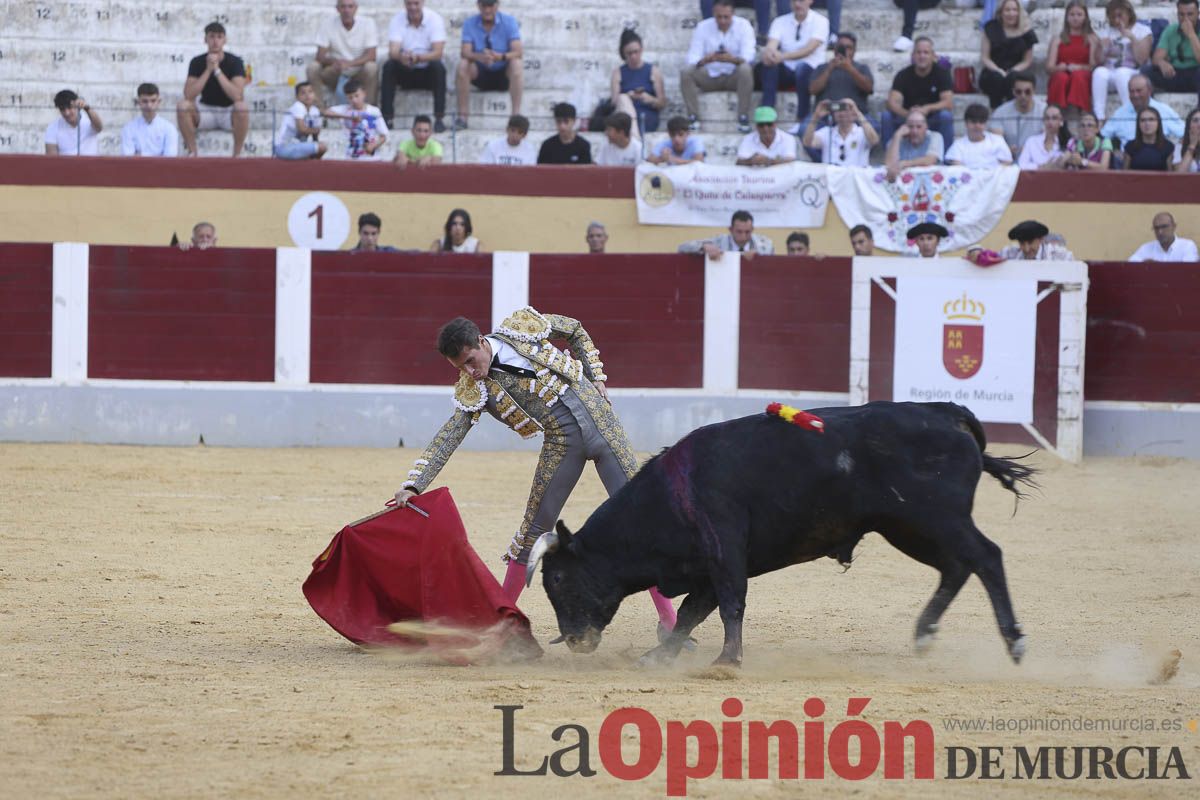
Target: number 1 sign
x: 319, y: 221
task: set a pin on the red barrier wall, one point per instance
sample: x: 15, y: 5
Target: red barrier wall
x: 1143, y: 332
x: 375, y: 316
x: 794, y: 329
x: 161, y: 314
x: 645, y: 313
x: 26, y: 309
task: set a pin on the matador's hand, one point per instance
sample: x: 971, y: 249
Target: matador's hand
x: 602, y: 389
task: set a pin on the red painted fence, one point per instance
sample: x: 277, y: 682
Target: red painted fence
x: 157, y: 313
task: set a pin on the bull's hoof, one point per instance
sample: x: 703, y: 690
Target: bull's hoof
x: 1016, y: 648
x: 660, y: 656
x: 727, y: 661
x: 924, y: 639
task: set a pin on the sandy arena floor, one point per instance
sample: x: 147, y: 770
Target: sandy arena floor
x: 154, y: 641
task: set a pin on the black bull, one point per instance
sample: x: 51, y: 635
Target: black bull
x: 742, y: 498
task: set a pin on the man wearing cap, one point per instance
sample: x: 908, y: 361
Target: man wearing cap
x: 927, y: 236
x: 766, y: 146
x: 1031, y: 245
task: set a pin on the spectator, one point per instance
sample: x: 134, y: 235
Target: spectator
x: 1089, y: 150
x: 457, y: 238
x: 511, y: 149
x: 843, y: 78
x: 422, y: 150
x: 848, y: 143
x: 345, y: 49
x: 795, y: 48
x: 619, y: 149
x: 762, y: 11
x: 797, y: 243
x: 680, y: 147
x: 981, y: 149
x: 364, y: 123
x: 1121, y: 127
x: 1005, y: 48
x: 719, y: 58
x: 914, y: 145
x: 1151, y: 150
x: 1175, y: 66
x: 862, y: 240
x: 923, y: 86
x: 491, y: 58
x: 741, y: 238
x: 637, y: 86
x: 72, y: 134
x: 597, y: 238
x: 369, y: 226
x: 1032, y: 244
x: 1072, y: 55
x: 766, y: 146
x: 204, y: 237
x: 1124, y: 48
x: 416, y: 44
x: 566, y: 146
x: 149, y: 134
x: 1166, y: 245
x: 927, y: 236
x: 301, y: 125
x: 213, y: 94
x: 1021, y: 117
x: 910, y: 8
x: 1187, y: 152
x: 1047, y: 151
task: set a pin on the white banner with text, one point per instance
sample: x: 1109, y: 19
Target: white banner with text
x: 792, y: 195
x: 969, y: 341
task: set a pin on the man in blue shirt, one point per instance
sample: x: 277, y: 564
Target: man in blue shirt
x: 491, y: 58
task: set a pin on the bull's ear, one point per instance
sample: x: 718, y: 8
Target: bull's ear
x: 564, y: 534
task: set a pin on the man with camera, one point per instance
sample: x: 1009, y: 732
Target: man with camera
x: 848, y: 143
x: 842, y: 77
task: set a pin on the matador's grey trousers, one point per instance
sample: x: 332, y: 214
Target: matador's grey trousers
x: 569, y: 443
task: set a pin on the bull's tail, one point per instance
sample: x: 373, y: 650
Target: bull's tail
x: 1009, y: 471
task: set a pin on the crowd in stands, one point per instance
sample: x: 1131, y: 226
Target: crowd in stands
x: 788, y: 47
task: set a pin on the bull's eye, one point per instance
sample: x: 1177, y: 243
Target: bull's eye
x: 556, y: 578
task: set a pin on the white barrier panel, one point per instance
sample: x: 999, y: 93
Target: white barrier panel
x: 69, y: 326
x: 293, y: 314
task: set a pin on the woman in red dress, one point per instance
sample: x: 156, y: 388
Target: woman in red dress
x: 1072, y: 56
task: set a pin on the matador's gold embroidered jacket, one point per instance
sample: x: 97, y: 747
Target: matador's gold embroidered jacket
x: 524, y: 404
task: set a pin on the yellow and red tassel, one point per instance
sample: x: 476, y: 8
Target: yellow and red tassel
x: 796, y: 417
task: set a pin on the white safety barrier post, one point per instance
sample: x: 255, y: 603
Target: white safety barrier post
x: 293, y: 314
x: 722, y: 315
x: 510, y: 284
x: 69, y: 326
x: 1072, y: 336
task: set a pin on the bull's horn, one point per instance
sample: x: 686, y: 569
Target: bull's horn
x: 546, y: 543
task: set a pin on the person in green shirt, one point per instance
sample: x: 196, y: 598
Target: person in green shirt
x: 1176, y: 61
x: 421, y: 150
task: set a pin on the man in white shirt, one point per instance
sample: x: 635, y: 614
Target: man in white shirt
x: 73, y: 133
x: 416, y: 42
x: 149, y: 134
x: 345, y: 49
x: 766, y: 146
x: 511, y: 150
x: 848, y: 142
x: 1166, y: 245
x: 620, y: 149
x: 720, y: 59
x: 740, y: 239
x: 980, y: 149
x: 795, y: 49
